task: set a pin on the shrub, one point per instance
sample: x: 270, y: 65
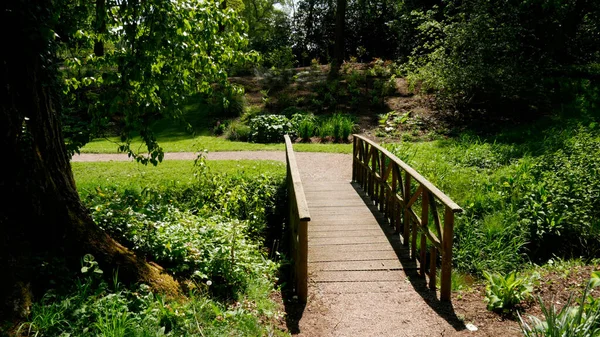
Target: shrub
x: 270, y: 128
x: 289, y: 112
x: 503, y: 293
x: 251, y: 112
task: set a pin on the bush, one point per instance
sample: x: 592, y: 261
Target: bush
x: 210, y: 231
x: 561, y: 206
x: 270, y: 128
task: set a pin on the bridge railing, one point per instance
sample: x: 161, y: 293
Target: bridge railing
x: 400, y: 192
x: 298, y: 222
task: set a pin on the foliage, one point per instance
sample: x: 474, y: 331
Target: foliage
x: 561, y: 208
x: 506, y: 57
x: 505, y: 292
x: 573, y: 321
x: 306, y: 125
x: 338, y: 127
x: 236, y: 130
x: 269, y: 128
x: 369, y: 33
x: 143, y: 62
x: 94, y: 307
x: 207, y: 231
x: 518, y: 194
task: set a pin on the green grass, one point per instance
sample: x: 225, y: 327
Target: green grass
x: 184, y: 143
x: 90, y: 175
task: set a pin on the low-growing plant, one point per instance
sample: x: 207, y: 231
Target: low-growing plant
x: 236, y: 130
x: 504, y: 293
x: 338, y: 127
x: 270, y: 128
x: 305, y: 125
x: 581, y: 320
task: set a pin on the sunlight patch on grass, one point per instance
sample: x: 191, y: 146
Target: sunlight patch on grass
x: 212, y: 144
x: 89, y: 175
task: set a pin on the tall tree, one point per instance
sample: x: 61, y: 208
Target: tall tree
x: 151, y: 63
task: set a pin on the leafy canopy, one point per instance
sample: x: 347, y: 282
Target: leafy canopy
x: 154, y: 55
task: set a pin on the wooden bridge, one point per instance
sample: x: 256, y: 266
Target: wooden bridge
x: 367, y: 248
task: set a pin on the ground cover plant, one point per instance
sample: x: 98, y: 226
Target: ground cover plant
x: 208, y: 227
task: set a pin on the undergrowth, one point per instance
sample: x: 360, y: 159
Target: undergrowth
x: 217, y: 234
x: 523, y: 200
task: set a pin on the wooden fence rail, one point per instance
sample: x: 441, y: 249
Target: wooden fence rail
x: 298, y: 222
x: 397, y: 189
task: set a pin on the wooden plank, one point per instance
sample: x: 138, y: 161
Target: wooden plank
x: 384, y: 264
x: 346, y: 240
x: 335, y: 234
x: 335, y: 203
x: 325, y: 256
x: 358, y: 276
x: 373, y: 287
x: 342, y: 228
x: 363, y: 248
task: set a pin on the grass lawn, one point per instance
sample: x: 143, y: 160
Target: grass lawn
x: 212, y: 144
x: 90, y: 175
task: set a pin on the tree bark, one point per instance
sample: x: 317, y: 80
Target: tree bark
x: 100, y: 26
x: 42, y: 219
x: 338, y: 51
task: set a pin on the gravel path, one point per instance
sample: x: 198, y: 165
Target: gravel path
x: 315, y: 166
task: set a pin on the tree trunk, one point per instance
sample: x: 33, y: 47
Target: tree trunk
x: 100, y: 26
x: 42, y: 219
x: 338, y: 51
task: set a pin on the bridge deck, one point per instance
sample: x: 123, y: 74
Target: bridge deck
x: 361, y: 282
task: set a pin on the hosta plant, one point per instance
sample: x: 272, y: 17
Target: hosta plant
x: 503, y: 293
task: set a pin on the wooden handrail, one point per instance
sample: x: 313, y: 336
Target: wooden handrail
x: 379, y: 173
x: 416, y: 175
x: 298, y: 222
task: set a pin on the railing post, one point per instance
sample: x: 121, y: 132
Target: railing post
x: 448, y: 237
x: 302, y: 271
x: 424, y: 227
x: 354, y: 158
x: 406, y: 223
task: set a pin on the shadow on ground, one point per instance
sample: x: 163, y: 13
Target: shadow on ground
x: 410, y: 267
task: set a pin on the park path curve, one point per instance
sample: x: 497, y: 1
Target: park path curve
x: 360, y: 281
